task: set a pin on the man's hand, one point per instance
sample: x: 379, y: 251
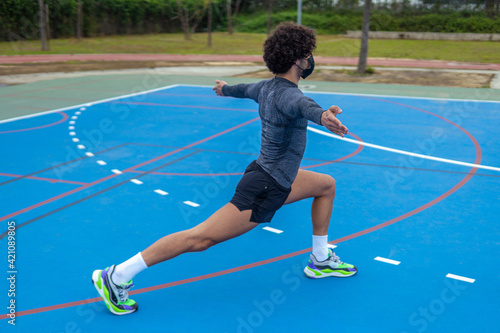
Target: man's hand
x: 330, y: 121
x: 218, y: 87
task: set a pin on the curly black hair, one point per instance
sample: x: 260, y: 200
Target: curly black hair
x: 287, y: 44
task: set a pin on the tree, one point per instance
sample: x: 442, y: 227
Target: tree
x: 190, y: 13
x: 363, y: 52
x: 490, y: 8
x: 232, y: 14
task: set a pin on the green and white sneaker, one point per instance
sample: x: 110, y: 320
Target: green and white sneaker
x: 330, y: 267
x: 115, y: 297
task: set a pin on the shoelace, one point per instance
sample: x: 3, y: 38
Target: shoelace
x: 123, y: 292
x: 335, y: 258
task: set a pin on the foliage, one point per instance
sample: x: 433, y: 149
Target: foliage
x: 19, y: 18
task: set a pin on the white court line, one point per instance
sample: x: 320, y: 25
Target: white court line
x: 72, y: 133
x: 74, y: 117
x: 161, y: 192
x: 402, y: 152
x: 101, y: 162
x: 136, y: 181
x: 116, y: 171
x: 389, y: 261
x: 276, y: 231
x: 192, y: 204
x: 461, y: 278
x: 80, y: 147
x: 71, y: 128
x: 72, y: 122
x: 89, y: 154
x: 76, y: 140
x: 78, y: 113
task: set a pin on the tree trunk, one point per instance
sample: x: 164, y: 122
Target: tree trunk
x: 209, y: 23
x: 229, y: 18
x: 299, y: 12
x: 269, y: 11
x: 184, y: 20
x: 79, y: 21
x: 363, y: 53
x: 47, y: 24
x: 43, y: 30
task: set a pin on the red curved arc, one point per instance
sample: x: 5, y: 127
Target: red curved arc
x: 357, y: 151
x: 293, y: 254
x: 64, y: 118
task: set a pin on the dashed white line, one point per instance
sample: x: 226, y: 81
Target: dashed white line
x: 116, y: 171
x: 71, y: 128
x: 72, y: 122
x: 161, y: 192
x: 136, y: 181
x: 78, y: 113
x: 389, y: 261
x: 101, y: 162
x: 74, y: 117
x: 461, y: 278
x: 81, y: 147
x: 89, y: 154
x: 76, y: 140
x: 72, y: 133
x: 192, y: 204
x: 83, y: 109
x: 276, y: 231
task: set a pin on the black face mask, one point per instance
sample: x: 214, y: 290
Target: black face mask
x: 308, y: 71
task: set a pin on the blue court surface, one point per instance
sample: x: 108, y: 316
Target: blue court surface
x: 90, y: 186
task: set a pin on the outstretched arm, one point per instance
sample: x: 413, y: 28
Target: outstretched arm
x: 240, y: 90
x: 330, y: 121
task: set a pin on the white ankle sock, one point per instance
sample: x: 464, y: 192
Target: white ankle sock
x: 126, y: 271
x: 320, y: 247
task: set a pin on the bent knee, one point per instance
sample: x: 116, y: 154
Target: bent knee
x: 330, y: 186
x: 198, y: 242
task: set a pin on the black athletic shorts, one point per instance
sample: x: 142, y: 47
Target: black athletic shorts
x: 258, y: 191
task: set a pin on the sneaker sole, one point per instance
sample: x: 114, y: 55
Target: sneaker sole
x: 95, y: 281
x: 310, y: 274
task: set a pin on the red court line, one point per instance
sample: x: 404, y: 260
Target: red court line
x: 51, y: 180
x: 286, y: 256
x: 185, y: 106
x: 357, y: 151
x: 81, y: 188
x: 64, y: 118
x: 189, y: 174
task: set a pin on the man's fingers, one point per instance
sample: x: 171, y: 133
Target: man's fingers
x: 335, y: 109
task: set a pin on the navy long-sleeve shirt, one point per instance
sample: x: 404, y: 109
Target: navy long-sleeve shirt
x: 284, y: 112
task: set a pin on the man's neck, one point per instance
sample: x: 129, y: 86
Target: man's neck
x: 292, y: 75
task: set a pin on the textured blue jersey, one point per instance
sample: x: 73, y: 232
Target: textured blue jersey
x: 284, y: 112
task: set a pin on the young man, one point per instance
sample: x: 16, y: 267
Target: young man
x: 271, y: 181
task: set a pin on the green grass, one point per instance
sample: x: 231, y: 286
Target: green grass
x: 248, y: 44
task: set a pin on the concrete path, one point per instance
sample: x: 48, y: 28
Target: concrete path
x: 242, y: 58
